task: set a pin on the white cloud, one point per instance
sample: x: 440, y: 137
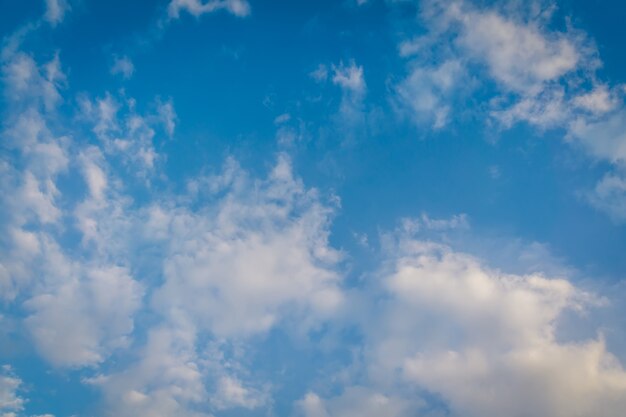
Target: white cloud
x: 320, y: 74
x: 167, y: 116
x: 231, y: 393
x: 604, y: 138
x: 520, y: 55
x: 547, y: 109
x: 348, y: 77
x: 508, y: 47
x: 356, y: 402
x: 238, y: 265
x: 56, y: 10
x: 530, y: 72
x: 197, y: 8
x: 485, y: 341
x: 425, y: 92
x: 27, y: 84
x: 126, y: 134
x: 412, y: 226
x: 167, y: 379
x: 609, y: 196
x: 600, y: 100
x: 10, y: 401
x: 123, y: 66
x: 83, y: 313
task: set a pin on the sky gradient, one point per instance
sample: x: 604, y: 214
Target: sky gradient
x: 312, y: 208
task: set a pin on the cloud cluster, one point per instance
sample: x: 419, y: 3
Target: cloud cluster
x: 197, y: 8
x: 528, y: 71
x: 483, y: 341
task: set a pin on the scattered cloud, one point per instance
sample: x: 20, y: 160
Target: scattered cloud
x: 485, y: 341
x: 56, y: 10
x: 123, y: 66
x: 349, y: 78
x: 425, y: 92
x: 609, y: 196
x: 240, y: 8
x: 10, y: 401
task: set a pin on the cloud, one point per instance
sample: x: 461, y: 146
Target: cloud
x: 511, y: 52
x: 83, y: 316
x: 239, y: 8
x: 426, y: 90
x: 348, y: 77
x: 525, y: 71
x: 10, y: 401
x: 126, y: 134
x: 356, y: 402
x: 123, y: 66
x: 319, y: 74
x: 485, y: 341
x: 251, y: 256
x: 604, y: 138
x: 520, y: 55
x: 167, y: 116
x: 56, y: 10
x: 167, y: 379
x: 609, y: 196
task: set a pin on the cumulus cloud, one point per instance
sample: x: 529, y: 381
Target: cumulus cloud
x: 167, y: 379
x: 125, y: 133
x: 251, y: 256
x: 509, y: 45
x: 605, y: 138
x: 83, y: 315
x: 609, y: 196
x: 356, y: 402
x: 10, y: 401
x: 56, y: 10
x: 197, y: 8
x: 425, y: 92
x: 123, y: 66
x: 348, y: 77
x: 520, y: 55
x: 485, y: 341
x: 528, y: 71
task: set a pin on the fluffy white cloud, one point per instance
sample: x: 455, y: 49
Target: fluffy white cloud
x: 197, y: 8
x: 239, y: 265
x: 239, y: 256
x: 426, y: 91
x: 509, y: 45
x: 83, y: 313
x: 604, y: 138
x: 56, y: 10
x: 486, y: 341
x: 126, y: 134
x: 348, y: 77
x: 10, y: 401
x: 356, y: 402
x: 530, y: 72
x: 609, y: 196
x: 123, y: 66
x: 520, y: 55
x: 167, y: 379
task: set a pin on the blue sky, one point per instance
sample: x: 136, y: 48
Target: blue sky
x: 312, y: 209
